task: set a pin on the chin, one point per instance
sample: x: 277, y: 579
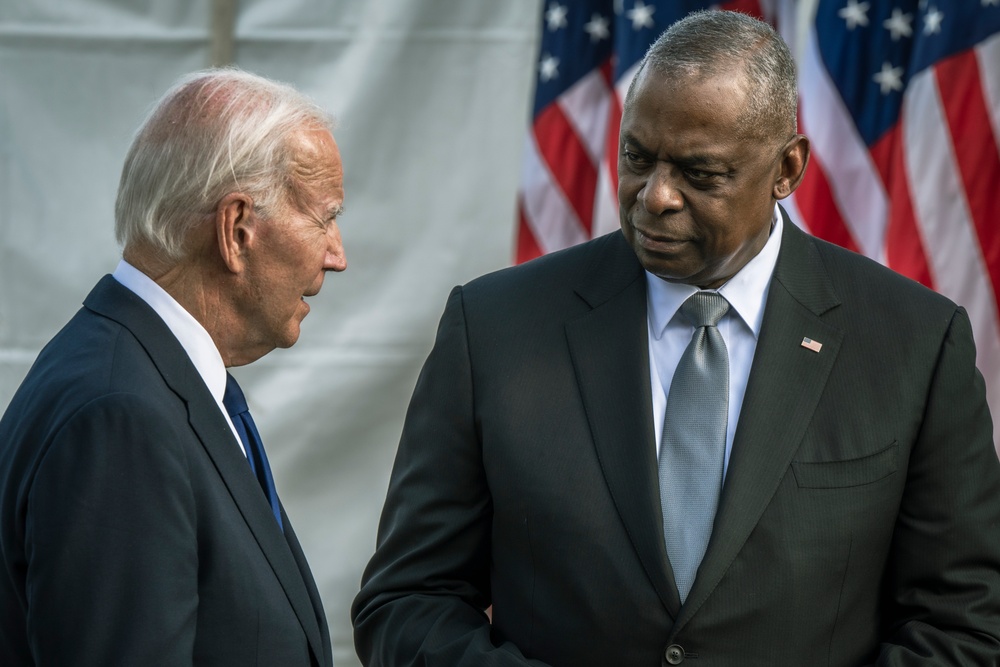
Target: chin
x: 288, y: 337
x: 655, y: 265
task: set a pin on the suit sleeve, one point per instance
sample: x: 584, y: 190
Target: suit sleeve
x: 942, y: 579
x: 111, y: 541
x: 424, y: 594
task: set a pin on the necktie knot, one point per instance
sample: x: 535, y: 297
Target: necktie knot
x: 233, y: 399
x: 704, y: 309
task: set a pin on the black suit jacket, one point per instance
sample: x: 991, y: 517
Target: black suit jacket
x: 133, y: 532
x: 859, y: 521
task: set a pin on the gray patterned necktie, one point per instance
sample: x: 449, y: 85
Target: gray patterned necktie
x: 693, y: 446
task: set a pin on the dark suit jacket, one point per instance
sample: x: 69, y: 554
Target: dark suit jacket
x: 133, y: 532
x: 859, y: 522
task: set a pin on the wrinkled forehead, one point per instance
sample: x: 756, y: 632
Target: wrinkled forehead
x: 657, y: 93
x: 314, y: 154
x: 315, y: 167
x: 720, y: 94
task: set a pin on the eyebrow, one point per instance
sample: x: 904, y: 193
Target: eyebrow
x: 695, y: 160
x: 628, y: 138
x: 335, y: 211
x: 703, y: 161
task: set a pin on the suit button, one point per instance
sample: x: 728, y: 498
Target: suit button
x: 674, y: 654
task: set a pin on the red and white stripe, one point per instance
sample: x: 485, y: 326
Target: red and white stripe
x: 562, y: 168
x: 922, y: 200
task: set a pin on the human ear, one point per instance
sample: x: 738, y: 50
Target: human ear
x: 794, y: 156
x: 235, y: 230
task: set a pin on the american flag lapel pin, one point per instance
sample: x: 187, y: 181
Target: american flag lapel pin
x: 810, y: 344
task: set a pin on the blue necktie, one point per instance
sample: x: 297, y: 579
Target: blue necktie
x: 236, y: 406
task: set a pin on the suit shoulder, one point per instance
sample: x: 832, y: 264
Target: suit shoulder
x: 90, y: 359
x: 858, y: 276
x: 97, y: 354
x: 560, y: 271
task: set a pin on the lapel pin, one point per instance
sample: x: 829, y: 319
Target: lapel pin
x: 810, y: 344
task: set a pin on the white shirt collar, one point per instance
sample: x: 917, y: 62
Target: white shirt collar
x: 192, y: 336
x: 746, y: 291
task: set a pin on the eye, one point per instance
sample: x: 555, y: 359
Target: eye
x: 634, y: 159
x: 698, y: 174
x: 333, y: 214
x: 704, y: 180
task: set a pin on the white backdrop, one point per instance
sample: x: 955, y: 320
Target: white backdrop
x: 432, y: 98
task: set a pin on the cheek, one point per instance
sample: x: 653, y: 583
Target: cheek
x: 628, y: 188
x: 318, y: 258
x: 731, y: 241
x: 306, y: 256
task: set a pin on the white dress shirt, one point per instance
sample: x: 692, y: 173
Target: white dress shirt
x: 670, y: 332
x: 193, y: 337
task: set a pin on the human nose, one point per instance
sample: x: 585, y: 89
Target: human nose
x: 336, y: 260
x: 660, y: 193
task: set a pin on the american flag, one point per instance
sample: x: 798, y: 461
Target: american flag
x: 902, y: 103
x: 811, y: 344
x: 900, y: 99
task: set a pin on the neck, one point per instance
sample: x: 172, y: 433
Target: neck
x: 202, y: 291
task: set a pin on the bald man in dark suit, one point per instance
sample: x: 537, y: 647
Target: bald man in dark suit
x: 855, y: 503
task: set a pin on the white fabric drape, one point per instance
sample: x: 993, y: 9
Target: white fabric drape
x: 432, y: 100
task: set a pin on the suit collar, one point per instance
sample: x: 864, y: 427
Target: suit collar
x: 611, y: 267
x: 801, y: 271
x: 112, y: 300
x: 189, y: 332
x: 610, y: 354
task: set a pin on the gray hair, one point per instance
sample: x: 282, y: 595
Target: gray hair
x: 214, y: 132
x: 710, y: 42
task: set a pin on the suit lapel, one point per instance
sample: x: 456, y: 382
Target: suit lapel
x: 785, y: 384
x: 610, y: 354
x: 111, y: 299
x: 246, y: 492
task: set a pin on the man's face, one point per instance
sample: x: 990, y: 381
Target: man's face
x: 695, y: 195
x: 298, y: 244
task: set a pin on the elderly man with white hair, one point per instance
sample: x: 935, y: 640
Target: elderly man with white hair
x: 139, y: 523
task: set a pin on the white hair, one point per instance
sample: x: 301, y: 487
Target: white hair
x: 213, y: 133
